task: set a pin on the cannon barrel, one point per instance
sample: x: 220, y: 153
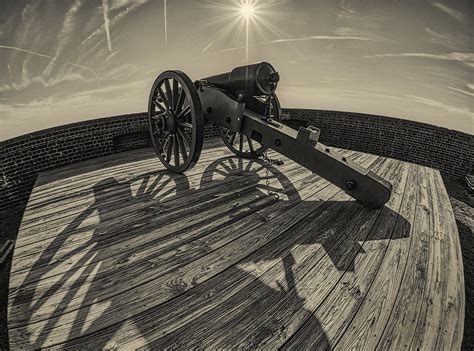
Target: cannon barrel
x: 251, y: 80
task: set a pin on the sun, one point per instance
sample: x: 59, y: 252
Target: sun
x: 247, y: 10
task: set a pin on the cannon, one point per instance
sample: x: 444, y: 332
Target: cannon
x: 244, y: 106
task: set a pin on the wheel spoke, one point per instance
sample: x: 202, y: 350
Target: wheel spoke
x: 185, y: 125
x: 175, y: 94
x: 241, y: 141
x: 221, y: 172
x: 250, y: 145
x: 158, y: 115
x: 169, y: 94
x: 168, y: 151
x: 182, y: 148
x: 249, y: 166
x: 175, y: 151
x: 181, y: 98
x: 158, y: 104
x: 232, y: 138
x: 185, y: 137
x: 164, y: 98
x: 184, y: 112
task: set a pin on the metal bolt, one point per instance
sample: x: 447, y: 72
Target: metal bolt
x: 228, y: 119
x: 277, y: 142
x: 351, y: 185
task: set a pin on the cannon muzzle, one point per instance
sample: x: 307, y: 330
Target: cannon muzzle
x: 251, y: 80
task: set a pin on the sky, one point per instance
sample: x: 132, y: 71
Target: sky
x: 63, y: 61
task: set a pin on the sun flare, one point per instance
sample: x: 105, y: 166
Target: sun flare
x: 247, y: 10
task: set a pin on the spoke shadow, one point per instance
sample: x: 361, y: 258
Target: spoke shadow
x: 150, y: 226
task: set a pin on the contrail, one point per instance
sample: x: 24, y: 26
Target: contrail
x: 64, y: 35
x: 105, y: 12
x: 116, y: 19
x: 53, y: 58
x: 166, y: 24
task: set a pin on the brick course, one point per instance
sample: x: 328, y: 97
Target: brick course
x: 24, y: 157
x: 450, y: 151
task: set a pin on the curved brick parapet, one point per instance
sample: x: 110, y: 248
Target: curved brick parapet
x: 24, y: 157
x: 450, y: 151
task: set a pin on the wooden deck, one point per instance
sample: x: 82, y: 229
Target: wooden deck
x: 118, y: 253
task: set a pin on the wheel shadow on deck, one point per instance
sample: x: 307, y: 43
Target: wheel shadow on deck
x: 154, y: 228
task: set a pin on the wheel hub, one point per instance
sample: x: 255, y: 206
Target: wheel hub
x: 169, y: 122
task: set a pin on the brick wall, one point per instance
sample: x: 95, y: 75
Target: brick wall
x: 450, y: 151
x: 22, y: 158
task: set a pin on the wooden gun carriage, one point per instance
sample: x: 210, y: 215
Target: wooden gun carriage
x: 244, y: 106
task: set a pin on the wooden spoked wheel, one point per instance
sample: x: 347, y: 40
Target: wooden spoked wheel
x: 242, y: 145
x: 175, y: 121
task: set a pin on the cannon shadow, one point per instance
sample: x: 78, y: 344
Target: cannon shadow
x: 157, y: 224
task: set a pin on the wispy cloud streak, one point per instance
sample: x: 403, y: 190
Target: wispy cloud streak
x: 290, y: 40
x: 464, y: 57
x: 437, y: 104
x: 321, y: 37
x: 105, y: 13
x: 458, y: 16
x: 135, y: 4
x: 53, y: 58
x: 64, y: 35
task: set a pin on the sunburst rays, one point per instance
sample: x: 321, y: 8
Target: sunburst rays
x: 241, y: 22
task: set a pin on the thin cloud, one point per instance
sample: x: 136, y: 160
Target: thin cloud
x: 135, y: 4
x: 105, y: 13
x: 110, y: 56
x: 320, y: 37
x: 464, y: 57
x: 208, y: 46
x: 457, y: 15
x: 53, y: 58
x: 454, y: 42
x: 64, y: 35
x: 290, y: 40
x: 464, y: 92
x: 437, y: 104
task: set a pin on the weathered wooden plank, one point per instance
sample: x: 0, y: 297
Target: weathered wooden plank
x: 51, y: 191
x: 159, y: 190
x: 400, y: 326
x: 62, y: 175
x: 341, y: 305
x: 167, y: 198
x: 245, y: 271
x: 150, y: 321
x: 157, y: 246
x: 285, y: 316
x: 453, y: 307
x: 73, y: 197
x: 224, y: 325
x: 443, y: 302
x: 168, y: 278
x: 429, y: 320
x: 365, y: 328
x: 46, y: 234
x: 209, y: 204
